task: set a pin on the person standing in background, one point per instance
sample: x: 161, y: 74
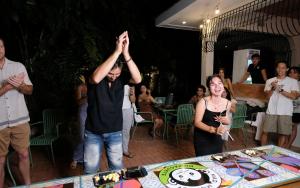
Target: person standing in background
x: 14, y: 116
x: 81, y: 100
x: 129, y: 99
x: 281, y: 90
x: 226, y: 81
x: 257, y: 71
x: 294, y: 72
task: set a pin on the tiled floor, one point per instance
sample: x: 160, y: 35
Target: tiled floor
x: 146, y: 150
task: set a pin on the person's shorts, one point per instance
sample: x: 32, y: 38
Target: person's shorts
x: 296, y: 118
x: 281, y: 124
x: 17, y: 137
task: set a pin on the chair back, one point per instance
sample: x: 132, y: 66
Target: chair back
x: 169, y: 99
x: 160, y: 100
x: 51, y: 118
x: 185, y: 114
x: 239, y: 117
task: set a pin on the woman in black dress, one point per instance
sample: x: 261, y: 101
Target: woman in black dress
x: 211, y: 118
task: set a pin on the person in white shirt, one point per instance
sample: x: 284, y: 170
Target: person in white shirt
x: 282, y: 90
x: 14, y: 116
x: 294, y: 72
x: 127, y: 110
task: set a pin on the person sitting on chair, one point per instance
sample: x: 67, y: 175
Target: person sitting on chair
x: 145, y: 103
x: 199, y: 95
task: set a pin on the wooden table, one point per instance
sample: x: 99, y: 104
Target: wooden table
x: 277, y: 167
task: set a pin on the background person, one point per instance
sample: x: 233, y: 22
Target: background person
x: 146, y: 101
x: 127, y: 109
x: 211, y: 112
x: 226, y: 81
x: 104, y: 114
x: 199, y: 95
x: 294, y: 72
x: 257, y: 71
x: 226, y: 95
x: 81, y: 100
x: 281, y: 90
x: 14, y: 116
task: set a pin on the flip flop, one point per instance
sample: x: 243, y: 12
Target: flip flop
x: 129, y: 155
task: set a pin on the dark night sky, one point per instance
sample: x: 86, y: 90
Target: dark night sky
x: 168, y: 49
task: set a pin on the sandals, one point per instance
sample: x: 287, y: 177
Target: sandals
x: 158, y: 133
x: 129, y: 155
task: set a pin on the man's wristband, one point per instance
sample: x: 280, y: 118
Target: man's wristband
x: 128, y: 60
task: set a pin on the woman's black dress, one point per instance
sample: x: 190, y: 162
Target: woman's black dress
x: 206, y: 143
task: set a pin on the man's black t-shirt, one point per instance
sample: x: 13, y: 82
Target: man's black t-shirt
x: 255, y: 73
x: 104, y: 113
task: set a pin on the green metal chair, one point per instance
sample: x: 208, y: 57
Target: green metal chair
x: 144, y: 122
x: 184, y: 119
x: 52, y: 118
x: 238, y: 120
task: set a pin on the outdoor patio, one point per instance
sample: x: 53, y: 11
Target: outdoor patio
x: 146, y: 150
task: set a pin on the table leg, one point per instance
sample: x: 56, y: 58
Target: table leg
x: 166, y: 128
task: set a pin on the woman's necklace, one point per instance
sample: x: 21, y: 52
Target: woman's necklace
x: 215, y: 106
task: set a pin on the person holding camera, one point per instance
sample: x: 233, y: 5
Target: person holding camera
x: 281, y: 90
x: 104, y: 113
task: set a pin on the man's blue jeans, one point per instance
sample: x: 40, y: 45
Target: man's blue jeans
x: 93, y: 144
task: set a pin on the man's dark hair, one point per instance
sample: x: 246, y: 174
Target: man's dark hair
x: 280, y: 61
x: 255, y: 55
x: 295, y: 69
x: 2, y: 40
x: 202, y: 87
x: 118, y: 64
x: 222, y: 69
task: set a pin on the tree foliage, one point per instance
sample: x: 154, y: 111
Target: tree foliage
x: 57, y: 38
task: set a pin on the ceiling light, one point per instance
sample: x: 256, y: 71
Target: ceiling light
x: 183, y: 22
x: 201, y: 26
x: 217, y: 11
x: 208, y: 20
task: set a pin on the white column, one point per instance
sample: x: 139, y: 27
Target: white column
x: 207, y: 66
x: 295, y: 48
